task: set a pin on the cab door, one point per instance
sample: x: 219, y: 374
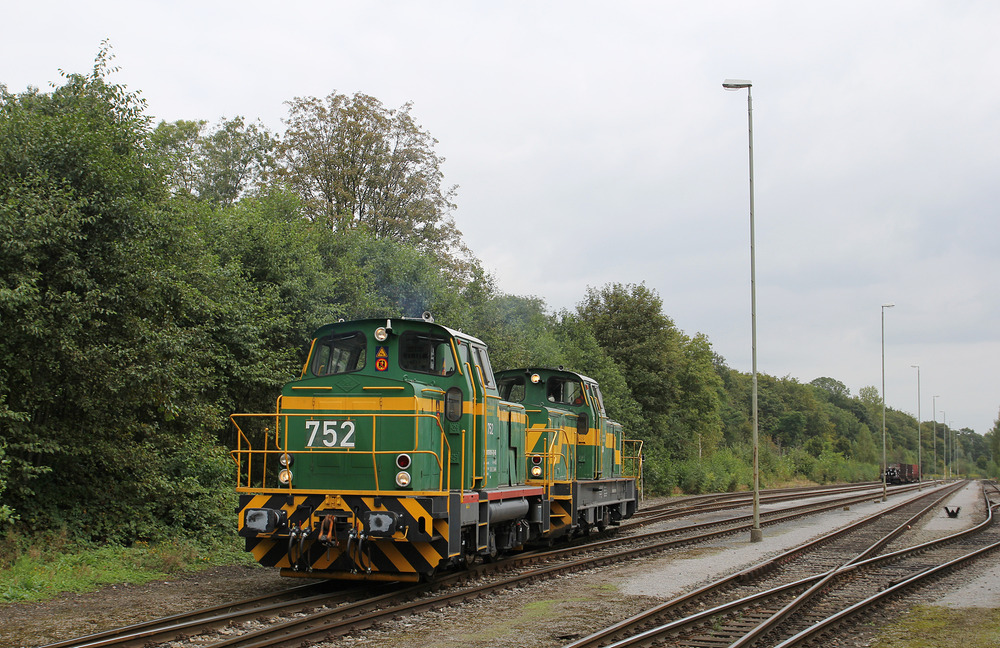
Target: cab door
x: 492, y: 439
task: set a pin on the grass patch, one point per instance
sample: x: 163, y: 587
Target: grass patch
x: 936, y: 627
x: 41, y: 573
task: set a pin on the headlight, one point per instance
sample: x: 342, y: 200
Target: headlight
x: 403, y: 479
x: 381, y: 334
x: 285, y: 476
x: 535, y: 379
x: 286, y: 460
x: 403, y: 461
x: 536, y: 471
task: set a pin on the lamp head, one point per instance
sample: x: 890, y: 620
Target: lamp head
x: 736, y: 84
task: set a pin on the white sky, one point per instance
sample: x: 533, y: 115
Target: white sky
x: 593, y: 143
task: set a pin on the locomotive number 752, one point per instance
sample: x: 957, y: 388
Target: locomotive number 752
x: 326, y: 431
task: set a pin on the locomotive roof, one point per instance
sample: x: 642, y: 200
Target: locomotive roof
x: 531, y: 370
x: 383, y: 321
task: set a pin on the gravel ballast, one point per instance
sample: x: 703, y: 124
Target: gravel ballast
x: 549, y: 614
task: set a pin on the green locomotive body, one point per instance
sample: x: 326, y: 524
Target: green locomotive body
x: 393, y: 456
x: 573, y: 447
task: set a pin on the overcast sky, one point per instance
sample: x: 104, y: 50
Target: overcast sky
x: 593, y: 143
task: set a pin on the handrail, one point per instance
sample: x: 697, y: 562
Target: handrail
x: 245, y: 452
x: 571, y: 466
x: 635, y: 459
x: 551, y: 458
x: 475, y: 437
x: 477, y: 372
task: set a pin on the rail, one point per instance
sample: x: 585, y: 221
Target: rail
x: 255, y: 467
x: 632, y: 458
x: 552, y: 457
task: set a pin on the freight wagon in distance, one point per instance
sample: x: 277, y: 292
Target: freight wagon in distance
x: 900, y: 473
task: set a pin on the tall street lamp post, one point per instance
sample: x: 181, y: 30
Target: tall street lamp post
x: 920, y: 463
x: 756, y: 535
x: 934, y: 430
x: 884, y: 465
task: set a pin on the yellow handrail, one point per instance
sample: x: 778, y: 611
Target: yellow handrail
x: 634, y: 460
x: 244, y: 455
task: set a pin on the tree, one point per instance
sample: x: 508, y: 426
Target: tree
x: 671, y: 376
x: 699, y: 401
x: 583, y: 353
x: 865, y: 449
x: 629, y: 324
x: 993, y: 442
x: 355, y: 162
x: 74, y: 176
x: 178, y: 147
x: 113, y: 368
x: 870, y: 400
x: 836, y: 389
x: 220, y: 166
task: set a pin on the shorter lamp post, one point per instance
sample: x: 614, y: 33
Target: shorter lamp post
x: 920, y: 463
x: 944, y: 444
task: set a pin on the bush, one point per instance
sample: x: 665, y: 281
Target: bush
x: 724, y: 471
x: 659, y: 473
x: 42, y: 570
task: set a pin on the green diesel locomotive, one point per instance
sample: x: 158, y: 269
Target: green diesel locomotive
x: 399, y: 452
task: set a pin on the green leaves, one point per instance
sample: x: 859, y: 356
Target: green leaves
x: 230, y: 161
x: 357, y: 163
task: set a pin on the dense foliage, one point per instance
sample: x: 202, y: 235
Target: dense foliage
x: 155, y: 279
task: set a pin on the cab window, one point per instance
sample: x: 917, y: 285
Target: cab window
x: 560, y: 390
x: 426, y: 353
x: 340, y: 353
x: 512, y: 389
x: 483, y: 360
x: 596, y: 391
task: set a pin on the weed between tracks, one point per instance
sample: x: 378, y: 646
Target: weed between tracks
x: 928, y: 626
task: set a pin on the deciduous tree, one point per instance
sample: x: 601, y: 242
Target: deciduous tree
x: 357, y: 163
x: 218, y: 165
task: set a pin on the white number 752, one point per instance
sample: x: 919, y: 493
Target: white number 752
x: 327, y: 432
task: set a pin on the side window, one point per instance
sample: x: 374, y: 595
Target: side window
x: 568, y: 392
x: 340, y: 353
x: 600, y: 398
x: 483, y: 360
x: 512, y: 389
x: 444, y: 360
x: 426, y: 353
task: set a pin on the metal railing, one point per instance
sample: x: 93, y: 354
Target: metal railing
x: 553, y: 457
x: 632, y: 458
x: 257, y: 468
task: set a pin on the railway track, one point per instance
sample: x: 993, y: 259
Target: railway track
x: 311, y: 614
x: 791, y: 601
x: 724, y: 502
